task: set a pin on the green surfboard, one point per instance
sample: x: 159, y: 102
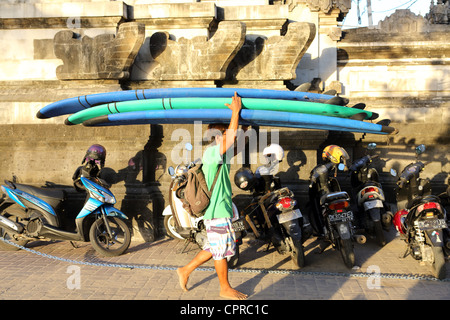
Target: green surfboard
x: 219, y: 103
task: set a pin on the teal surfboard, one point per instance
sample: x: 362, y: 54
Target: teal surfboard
x: 219, y: 103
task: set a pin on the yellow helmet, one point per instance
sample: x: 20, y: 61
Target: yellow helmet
x: 335, y: 154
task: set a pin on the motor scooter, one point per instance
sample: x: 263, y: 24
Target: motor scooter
x: 422, y: 222
x: 179, y: 224
x: 331, y: 215
x: 374, y: 214
x: 272, y: 214
x: 30, y: 213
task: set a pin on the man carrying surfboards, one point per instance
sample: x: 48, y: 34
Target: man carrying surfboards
x: 217, y: 218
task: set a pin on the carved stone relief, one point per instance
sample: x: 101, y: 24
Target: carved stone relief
x: 197, y: 58
x: 403, y: 21
x: 275, y: 58
x: 327, y: 5
x: 222, y: 57
x: 105, y: 56
x: 439, y: 12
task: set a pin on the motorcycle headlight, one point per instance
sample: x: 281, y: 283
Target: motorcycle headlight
x: 103, y: 196
x: 109, y: 198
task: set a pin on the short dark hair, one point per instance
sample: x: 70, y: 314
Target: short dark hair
x: 216, y: 129
x: 222, y: 127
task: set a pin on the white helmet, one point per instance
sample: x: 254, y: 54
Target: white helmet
x: 274, y: 152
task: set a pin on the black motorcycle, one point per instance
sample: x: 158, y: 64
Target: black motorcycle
x: 272, y: 214
x: 331, y: 216
x: 422, y: 220
x: 374, y: 214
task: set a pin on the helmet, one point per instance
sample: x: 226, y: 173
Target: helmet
x: 96, y: 153
x: 244, y: 179
x: 335, y: 154
x: 399, y: 221
x: 274, y: 152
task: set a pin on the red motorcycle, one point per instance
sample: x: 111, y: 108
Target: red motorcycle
x: 422, y: 223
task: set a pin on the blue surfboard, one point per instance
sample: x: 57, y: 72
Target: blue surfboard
x: 247, y: 117
x: 75, y: 104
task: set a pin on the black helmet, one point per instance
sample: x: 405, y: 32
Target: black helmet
x: 96, y: 153
x: 244, y: 179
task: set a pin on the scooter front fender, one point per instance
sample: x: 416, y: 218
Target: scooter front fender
x: 167, y: 211
x: 111, y: 211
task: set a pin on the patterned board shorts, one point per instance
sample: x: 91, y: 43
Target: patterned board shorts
x: 221, y: 238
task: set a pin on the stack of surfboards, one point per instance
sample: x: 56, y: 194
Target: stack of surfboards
x: 260, y: 107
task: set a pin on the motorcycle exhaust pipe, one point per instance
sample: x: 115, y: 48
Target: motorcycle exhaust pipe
x: 361, y: 239
x: 10, y: 225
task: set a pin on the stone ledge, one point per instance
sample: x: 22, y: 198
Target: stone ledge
x: 179, y: 23
x: 255, y: 12
x: 57, y: 22
x: 53, y: 90
x: 51, y: 10
x: 173, y: 10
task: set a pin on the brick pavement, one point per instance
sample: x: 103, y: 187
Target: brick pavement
x: 24, y: 275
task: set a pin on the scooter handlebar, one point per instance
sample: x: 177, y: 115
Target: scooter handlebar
x: 194, y: 163
x: 401, y: 183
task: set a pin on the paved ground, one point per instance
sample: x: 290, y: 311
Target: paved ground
x: 25, y: 275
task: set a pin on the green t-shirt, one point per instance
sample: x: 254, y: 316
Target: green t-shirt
x: 220, y: 205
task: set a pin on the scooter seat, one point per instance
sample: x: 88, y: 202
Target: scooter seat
x: 422, y: 200
x: 52, y: 197
x: 369, y: 184
x: 333, y: 196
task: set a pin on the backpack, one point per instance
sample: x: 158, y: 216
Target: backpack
x: 196, y: 193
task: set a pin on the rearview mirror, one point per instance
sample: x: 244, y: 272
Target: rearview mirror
x: 171, y: 170
x: 420, y: 149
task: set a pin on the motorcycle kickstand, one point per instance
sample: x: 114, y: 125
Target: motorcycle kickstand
x: 321, y: 250
x: 186, y: 243
x: 407, y: 252
x: 74, y: 245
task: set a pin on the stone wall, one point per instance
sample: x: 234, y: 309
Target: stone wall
x: 59, y: 49
x: 401, y: 70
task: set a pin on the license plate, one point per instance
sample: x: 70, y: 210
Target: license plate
x: 238, y: 225
x: 373, y: 204
x: 289, y: 215
x: 431, y: 224
x: 341, y: 217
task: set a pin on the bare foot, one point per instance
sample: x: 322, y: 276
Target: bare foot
x: 230, y: 293
x: 183, y: 279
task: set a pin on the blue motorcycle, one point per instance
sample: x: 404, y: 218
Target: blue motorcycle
x: 29, y: 213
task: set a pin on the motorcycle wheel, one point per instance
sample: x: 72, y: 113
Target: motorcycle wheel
x: 297, y: 254
x: 346, y: 249
x: 103, y: 243
x: 234, y: 260
x: 379, y: 233
x: 169, y: 225
x: 439, y: 263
